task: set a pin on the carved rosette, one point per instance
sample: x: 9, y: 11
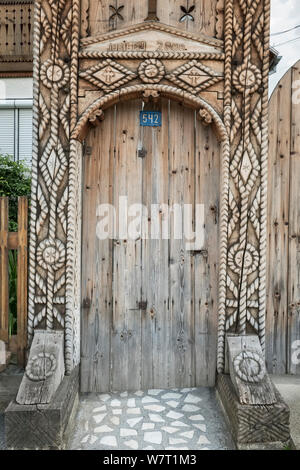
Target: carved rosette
x: 250, y: 366
x: 41, y: 367
x: 151, y: 71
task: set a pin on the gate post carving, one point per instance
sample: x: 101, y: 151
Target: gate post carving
x: 55, y: 206
x: 244, y: 222
x: 54, y: 295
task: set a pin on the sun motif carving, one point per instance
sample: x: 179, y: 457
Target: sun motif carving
x: 54, y: 74
x: 51, y: 254
x: 238, y: 258
x: 249, y: 366
x: 41, y: 367
x: 151, y: 71
x: 247, y: 77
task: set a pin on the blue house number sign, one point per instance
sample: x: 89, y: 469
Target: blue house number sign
x: 150, y: 118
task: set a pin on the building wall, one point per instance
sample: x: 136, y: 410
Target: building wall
x: 16, y: 118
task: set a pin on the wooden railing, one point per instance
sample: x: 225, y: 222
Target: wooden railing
x: 16, y: 26
x: 14, y: 241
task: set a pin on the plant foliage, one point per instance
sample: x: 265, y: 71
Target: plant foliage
x: 15, y: 181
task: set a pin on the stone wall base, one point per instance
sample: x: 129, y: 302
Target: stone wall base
x: 43, y: 427
x: 254, y: 426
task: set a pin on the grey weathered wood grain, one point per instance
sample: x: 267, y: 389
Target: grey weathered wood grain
x: 249, y: 393
x: 171, y: 340
x: 38, y: 392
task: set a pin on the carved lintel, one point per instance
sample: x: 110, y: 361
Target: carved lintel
x: 96, y: 118
x: 205, y: 117
x: 151, y: 95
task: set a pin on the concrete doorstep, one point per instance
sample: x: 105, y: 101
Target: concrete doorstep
x: 289, y: 387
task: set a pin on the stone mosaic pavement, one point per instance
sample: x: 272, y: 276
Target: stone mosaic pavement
x: 187, y: 419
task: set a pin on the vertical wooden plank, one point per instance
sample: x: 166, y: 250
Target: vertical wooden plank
x: 108, y: 15
x: 126, y: 328
x: 204, y: 14
x: 4, y: 289
x: 181, y: 154
x: 294, y: 233
x: 278, y: 230
x: 97, y: 259
x: 156, y: 321
x: 22, y: 279
x: 206, y: 263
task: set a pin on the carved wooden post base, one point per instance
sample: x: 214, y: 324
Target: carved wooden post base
x: 254, y: 426
x: 257, y: 416
x: 44, y: 427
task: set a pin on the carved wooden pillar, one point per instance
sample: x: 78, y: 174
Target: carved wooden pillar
x: 55, y: 97
x: 243, y: 245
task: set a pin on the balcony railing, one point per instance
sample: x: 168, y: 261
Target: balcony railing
x: 16, y: 24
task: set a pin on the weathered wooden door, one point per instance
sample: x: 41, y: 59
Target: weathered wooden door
x: 149, y: 304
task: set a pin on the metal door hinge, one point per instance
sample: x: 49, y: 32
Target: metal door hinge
x: 87, y: 150
x: 86, y: 303
x: 140, y: 306
x: 143, y: 305
x: 203, y: 253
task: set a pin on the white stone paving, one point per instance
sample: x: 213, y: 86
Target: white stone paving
x: 187, y: 419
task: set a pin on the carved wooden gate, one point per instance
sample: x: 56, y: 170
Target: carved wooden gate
x: 150, y: 303
x: 283, y: 293
x: 211, y: 56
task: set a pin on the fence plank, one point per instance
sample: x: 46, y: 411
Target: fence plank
x: 294, y: 232
x: 22, y: 278
x: 12, y: 241
x: 278, y: 230
x: 4, y: 292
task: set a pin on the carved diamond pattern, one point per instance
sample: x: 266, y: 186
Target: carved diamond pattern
x: 246, y: 167
x: 108, y: 75
x: 53, y: 163
x: 194, y: 76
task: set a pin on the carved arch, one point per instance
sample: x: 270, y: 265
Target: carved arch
x: 164, y: 90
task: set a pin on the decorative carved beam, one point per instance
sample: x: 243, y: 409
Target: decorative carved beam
x: 152, y: 11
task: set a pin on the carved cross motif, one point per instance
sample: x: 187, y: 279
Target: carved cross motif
x: 187, y: 16
x: 152, y: 11
x: 116, y: 13
x: 109, y: 75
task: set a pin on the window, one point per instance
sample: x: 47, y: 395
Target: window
x: 16, y: 131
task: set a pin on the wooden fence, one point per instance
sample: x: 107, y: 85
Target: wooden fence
x: 14, y: 241
x: 283, y: 288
